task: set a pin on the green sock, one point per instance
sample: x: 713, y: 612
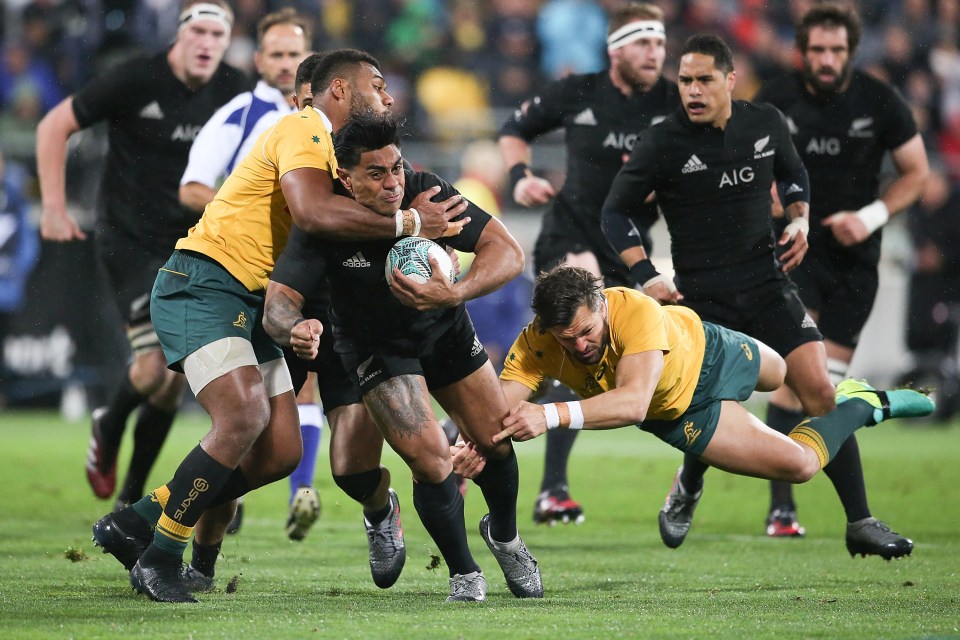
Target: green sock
x: 150, y: 507
x: 826, y: 434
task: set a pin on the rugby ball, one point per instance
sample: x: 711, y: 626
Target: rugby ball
x: 411, y: 256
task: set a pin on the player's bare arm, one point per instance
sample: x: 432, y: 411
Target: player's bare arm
x: 315, y: 208
x: 529, y: 190
x: 499, y: 259
x: 196, y: 196
x: 627, y: 404
x: 910, y: 159
x: 52, y: 134
x: 795, y: 233
x: 284, y: 322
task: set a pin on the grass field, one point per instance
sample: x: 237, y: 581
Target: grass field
x: 608, y: 578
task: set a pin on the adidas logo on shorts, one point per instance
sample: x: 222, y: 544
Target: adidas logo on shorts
x: 356, y: 260
x: 694, y: 164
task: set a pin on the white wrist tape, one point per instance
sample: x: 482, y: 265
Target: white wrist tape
x: 416, y: 222
x: 665, y: 279
x: 874, y: 215
x: 398, y: 218
x: 576, y: 415
x: 551, y: 415
x: 797, y: 225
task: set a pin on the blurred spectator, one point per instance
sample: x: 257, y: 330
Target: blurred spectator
x: 573, y: 37
x: 19, y: 68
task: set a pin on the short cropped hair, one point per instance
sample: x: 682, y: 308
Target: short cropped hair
x: 286, y: 15
x: 710, y: 45
x: 339, y: 63
x: 362, y: 133
x: 830, y: 16
x: 305, y: 70
x: 631, y: 12
x: 561, y: 291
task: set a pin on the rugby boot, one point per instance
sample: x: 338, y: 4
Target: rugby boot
x: 304, y: 511
x: 101, y: 463
x: 782, y: 523
x: 896, y: 403
x: 471, y: 587
x: 125, y: 544
x: 388, y: 551
x: 237, y: 522
x: 195, y: 580
x: 162, y: 582
x: 556, y: 505
x: 519, y: 567
x: 676, y: 516
x: 874, y: 537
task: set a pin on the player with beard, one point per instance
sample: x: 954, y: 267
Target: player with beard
x: 843, y: 122
x: 712, y: 165
x: 402, y: 342
x: 601, y: 114
x: 154, y: 106
x: 207, y: 306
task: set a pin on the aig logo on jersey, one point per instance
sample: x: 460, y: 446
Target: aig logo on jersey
x: 823, y: 146
x: 621, y: 141
x: 186, y: 132
x: 735, y: 177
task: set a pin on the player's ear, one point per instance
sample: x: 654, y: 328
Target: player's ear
x: 345, y: 178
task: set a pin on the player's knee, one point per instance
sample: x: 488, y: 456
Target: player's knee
x: 430, y: 467
x: 801, y: 468
x: 819, y: 398
x: 149, y: 372
x: 362, y: 486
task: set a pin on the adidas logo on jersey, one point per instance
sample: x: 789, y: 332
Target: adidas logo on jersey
x: 586, y: 117
x: 477, y: 347
x: 356, y: 260
x: 152, y: 111
x: 694, y: 164
x: 793, y: 188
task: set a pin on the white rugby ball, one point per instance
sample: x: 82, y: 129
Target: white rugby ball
x: 410, y: 255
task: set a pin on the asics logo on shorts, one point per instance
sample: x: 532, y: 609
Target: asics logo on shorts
x: 747, y: 351
x: 690, y: 433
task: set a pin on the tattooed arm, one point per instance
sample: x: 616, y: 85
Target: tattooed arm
x: 283, y: 321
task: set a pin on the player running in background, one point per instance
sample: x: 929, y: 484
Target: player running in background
x: 283, y: 40
x: 601, y: 114
x: 664, y: 370
x: 403, y: 342
x: 154, y: 106
x: 216, y: 280
x: 712, y: 165
x: 843, y: 122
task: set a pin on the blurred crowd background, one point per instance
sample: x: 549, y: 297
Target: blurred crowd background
x: 456, y: 69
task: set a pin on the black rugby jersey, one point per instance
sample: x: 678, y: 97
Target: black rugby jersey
x: 600, y: 125
x: 842, y: 140
x: 363, y: 312
x: 153, y: 119
x: 713, y: 187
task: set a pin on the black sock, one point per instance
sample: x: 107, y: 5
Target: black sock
x: 559, y: 443
x: 153, y: 425
x: 783, y: 421
x: 440, y: 507
x: 846, y: 474
x: 124, y: 400
x: 198, y: 480
x: 500, y: 482
x: 692, y: 475
x: 235, y: 486
x: 205, y: 557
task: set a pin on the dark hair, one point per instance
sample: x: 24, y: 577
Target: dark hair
x: 364, y: 132
x: 306, y: 69
x: 829, y: 16
x: 339, y: 63
x: 631, y: 12
x: 286, y: 15
x: 561, y: 291
x: 710, y: 45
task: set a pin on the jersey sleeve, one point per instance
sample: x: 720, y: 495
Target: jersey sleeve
x: 900, y: 125
x: 467, y: 239
x: 297, y: 142
x: 539, y: 114
x: 520, y: 363
x: 630, y: 188
x: 639, y: 325
x: 213, y: 147
x: 302, y: 266
x: 793, y: 182
x: 111, y: 94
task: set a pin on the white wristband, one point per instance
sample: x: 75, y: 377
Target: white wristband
x: 874, y: 215
x: 797, y: 225
x: 665, y: 279
x: 551, y: 415
x: 576, y: 415
x: 398, y: 218
x: 416, y: 222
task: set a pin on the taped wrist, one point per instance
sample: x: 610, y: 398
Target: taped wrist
x: 518, y: 172
x: 874, y: 215
x: 644, y: 271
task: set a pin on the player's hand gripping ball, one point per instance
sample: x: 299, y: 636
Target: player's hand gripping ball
x: 410, y: 256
